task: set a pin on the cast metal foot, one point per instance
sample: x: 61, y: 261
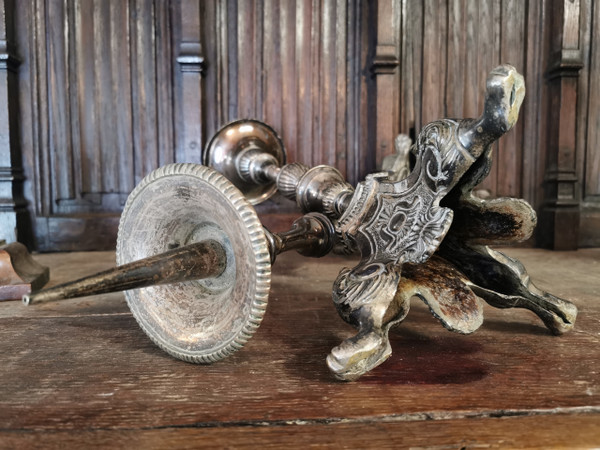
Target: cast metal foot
x: 359, y: 354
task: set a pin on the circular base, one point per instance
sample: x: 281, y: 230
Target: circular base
x: 198, y: 321
x: 224, y: 149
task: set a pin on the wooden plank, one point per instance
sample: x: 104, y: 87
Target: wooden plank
x: 257, y: 42
x: 326, y: 120
x: 289, y: 72
x: 75, y: 29
x: 67, y: 372
x: 231, y: 60
x: 473, y: 86
x: 407, y: 93
x: 510, y: 146
x: 164, y: 87
x: 531, y: 111
x: 339, y: 101
x: 247, y: 59
x: 583, y: 85
x: 546, y: 431
x: 272, y: 57
x: 364, y: 155
x: 59, y: 144
x: 434, y: 60
x: 543, y: 128
x: 488, y: 58
x: 592, y: 115
x: 143, y: 63
x: 104, y: 150
x: 411, y: 100
x: 305, y: 67
x: 314, y: 97
x: 209, y: 31
x: 353, y: 90
x: 121, y: 96
x: 456, y: 58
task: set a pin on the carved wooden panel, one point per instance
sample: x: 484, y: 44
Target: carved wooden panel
x: 448, y: 48
x: 588, y: 124
x: 299, y: 66
x: 111, y: 89
x: 97, y: 103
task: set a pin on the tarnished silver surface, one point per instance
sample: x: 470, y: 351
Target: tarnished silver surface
x: 311, y: 235
x: 228, y: 151
x: 398, y: 222
x: 199, y: 321
x: 398, y: 165
x: 251, y: 155
x: 423, y: 235
x: 398, y: 219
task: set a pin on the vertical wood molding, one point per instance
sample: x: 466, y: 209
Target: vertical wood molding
x: 96, y: 90
x: 385, y: 68
x: 588, y: 125
x: 13, y: 211
x: 190, y: 59
x: 560, y: 215
x: 298, y: 65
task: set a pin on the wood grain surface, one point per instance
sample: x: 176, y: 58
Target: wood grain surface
x: 110, y: 90
x: 82, y: 372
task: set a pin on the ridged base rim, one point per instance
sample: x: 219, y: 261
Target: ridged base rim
x: 255, y: 232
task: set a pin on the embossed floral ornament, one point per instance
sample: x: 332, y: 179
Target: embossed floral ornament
x: 398, y: 226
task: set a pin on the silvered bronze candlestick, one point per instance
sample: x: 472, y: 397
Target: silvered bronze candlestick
x: 421, y: 235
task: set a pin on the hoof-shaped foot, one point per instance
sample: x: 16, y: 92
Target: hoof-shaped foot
x: 561, y: 320
x: 358, y: 355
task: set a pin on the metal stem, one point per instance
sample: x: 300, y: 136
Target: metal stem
x: 204, y: 259
x: 311, y: 235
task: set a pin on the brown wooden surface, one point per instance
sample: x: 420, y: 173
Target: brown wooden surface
x: 96, y: 111
x: 298, y: 65
x: 588, y: 125
x: 13, y: 206
x: 19, y: 272
x: 109, y: 90
x: 82, y: 372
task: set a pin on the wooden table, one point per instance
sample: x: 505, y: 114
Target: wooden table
x: 82, y: 374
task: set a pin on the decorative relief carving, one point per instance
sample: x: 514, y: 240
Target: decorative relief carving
x: 425, y: 235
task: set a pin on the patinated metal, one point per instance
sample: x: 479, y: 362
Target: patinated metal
x: 206, y: 259
x: 190, y: 238
x: 418, y: 233
x: 239, y: 150
x: 397, y: 220
x: 398, y: 165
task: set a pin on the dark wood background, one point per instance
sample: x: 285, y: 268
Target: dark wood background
x: 109, y: 90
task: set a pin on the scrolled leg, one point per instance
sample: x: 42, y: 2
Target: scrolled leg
x: 503, y: 282
x: 366, y: 298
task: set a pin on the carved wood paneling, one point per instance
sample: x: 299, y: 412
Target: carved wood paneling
x: 13, y: 207
x: 109, y: 90
x: 97, y: 103
x: 448, y: 48
x: 298, y: 65
x: 588, y: 124
x: 560, y: 212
